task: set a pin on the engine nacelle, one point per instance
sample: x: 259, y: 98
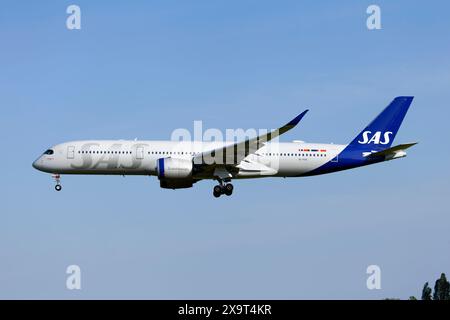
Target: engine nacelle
x: 170, y: 168
x: 176, y: 183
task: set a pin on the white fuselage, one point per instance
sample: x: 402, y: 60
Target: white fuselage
x: 129, y: 157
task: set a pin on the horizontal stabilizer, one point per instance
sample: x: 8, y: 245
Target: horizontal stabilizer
x: 392, y: 153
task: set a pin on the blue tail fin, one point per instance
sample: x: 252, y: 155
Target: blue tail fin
x: 380, y: 133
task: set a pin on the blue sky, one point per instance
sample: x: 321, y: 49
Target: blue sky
x: 145, y: 68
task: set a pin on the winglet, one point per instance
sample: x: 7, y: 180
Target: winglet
x: 297, y: 119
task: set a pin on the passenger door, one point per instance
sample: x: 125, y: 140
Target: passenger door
x: 140, y: 153
x: 70, y: 152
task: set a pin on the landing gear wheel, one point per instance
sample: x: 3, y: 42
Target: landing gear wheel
x: 217, y: 191
x: 228, y: 189
x: 58, y: 187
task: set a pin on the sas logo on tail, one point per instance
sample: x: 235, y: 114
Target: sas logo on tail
x: 376, y: 138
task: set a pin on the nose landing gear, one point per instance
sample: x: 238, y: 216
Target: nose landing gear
x: 57, y: 179
x: 222, y: 188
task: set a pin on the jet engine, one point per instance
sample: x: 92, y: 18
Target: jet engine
x: 174, y: 173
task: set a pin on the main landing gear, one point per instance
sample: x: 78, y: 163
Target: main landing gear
x: 222, y: 188
x: 57, y: 179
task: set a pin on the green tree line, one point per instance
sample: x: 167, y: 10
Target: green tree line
x: 441, y: 290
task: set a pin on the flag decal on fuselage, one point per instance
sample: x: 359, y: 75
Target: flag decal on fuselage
x: 312, y: 150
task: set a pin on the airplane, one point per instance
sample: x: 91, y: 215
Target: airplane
x: 180, y: 164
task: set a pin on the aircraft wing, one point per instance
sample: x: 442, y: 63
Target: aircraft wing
x: 233, y: 154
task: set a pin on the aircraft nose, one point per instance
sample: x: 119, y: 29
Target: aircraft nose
x: 37, y: 164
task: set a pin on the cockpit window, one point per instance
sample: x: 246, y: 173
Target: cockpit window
x: 49, y: 152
